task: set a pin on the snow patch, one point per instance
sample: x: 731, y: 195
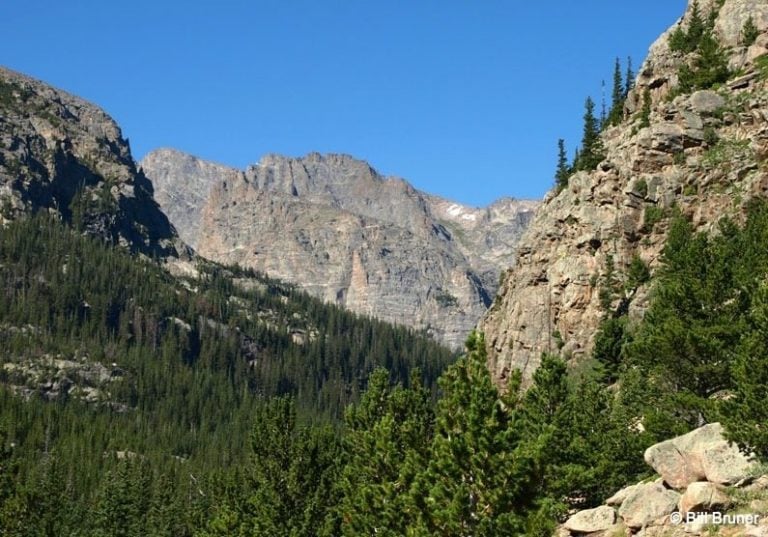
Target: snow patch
x: 457, y: 211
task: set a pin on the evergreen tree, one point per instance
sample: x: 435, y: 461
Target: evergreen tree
x: 687, y: 40
x: 629, y: 78
x: 13, y: 512
x: 591, y: 152
x: 563, y: 171
x: 288, y: 487
x: 747, y: 414
x: 709, y: 66
x: 385, y: 445
x: 749, y: 33
x: 477, y: 482
x: 617, y: 96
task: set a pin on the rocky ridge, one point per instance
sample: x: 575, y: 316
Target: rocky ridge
x: 702, y: 154
x: 65, y: 156
x: 705, y: 486
x: 346, y: 234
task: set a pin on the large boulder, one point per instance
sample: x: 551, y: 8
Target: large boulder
x: 592, y: 520
x: 648, y: 502
x: 618, y: 498
x: 706, y: 102
x: 702, y: 497
x: 701, y: 455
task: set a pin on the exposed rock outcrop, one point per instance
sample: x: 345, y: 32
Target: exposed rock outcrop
x: 702, y: 454
x: 333, y: 225
x: 701, y: 154
x: 65, y: 156
x: 672, y: 506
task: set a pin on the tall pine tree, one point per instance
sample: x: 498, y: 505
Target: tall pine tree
x: 563, y: 171
x: 591, y: 152
x: 617, y: 96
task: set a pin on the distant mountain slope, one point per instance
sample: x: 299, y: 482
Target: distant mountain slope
x: 63, y: 155
x: 333, y: 225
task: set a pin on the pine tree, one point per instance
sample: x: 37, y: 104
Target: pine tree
x: 749, y: 33
x: 747, y: 413
x: 477, y: 481
x: 629, y: 78
x: 591, y: 153
x: 288, y: 484
x: 385, y: 446
x: 617, y: 96
x: 13, y: 509
x: 709, y: 66
x: 687, y: 40
x: 563, y: 171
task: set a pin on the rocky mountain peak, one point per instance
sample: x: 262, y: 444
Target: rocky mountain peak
x: 64, y: 155
x: 700, y: 153
x: 339, y: 229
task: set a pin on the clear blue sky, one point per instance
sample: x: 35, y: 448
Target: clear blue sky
x: 465, y: 99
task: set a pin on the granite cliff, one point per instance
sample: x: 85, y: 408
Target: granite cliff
x: 702, y: 153
x: 65, y: 156
x: 340, y: 230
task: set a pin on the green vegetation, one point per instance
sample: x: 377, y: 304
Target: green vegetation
x: 709, y: 65
x: 641, y: 187
x: 591, y: 150
x: 687, y: 40
x: 198, y: 437
x: 761, y: 63
x: 703, y: 336
x: 591, y: 153
x: 652, y: 216
x: 708, y: 68
x: 726, y: 151
x: 749, y: 33
x: 446, y: 299
x: 563, y: 171
x: 190, y: 367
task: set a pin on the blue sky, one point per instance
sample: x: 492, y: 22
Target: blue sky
x: 464, y: 99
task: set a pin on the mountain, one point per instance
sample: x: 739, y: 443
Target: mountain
x: 62, y: 155
x: 344, y: 233
x: 88, y: 261
x: 122, y: 352
x: 690, y: 144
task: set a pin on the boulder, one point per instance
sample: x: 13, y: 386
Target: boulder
x: 702, y: 497
x: 725, y: 464
x: 592, y: 520
x: 648, y: 502
x: 701, y: 455
x: 706, y: 102
x: 619, y: 497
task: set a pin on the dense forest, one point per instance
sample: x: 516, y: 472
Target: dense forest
x: 192, y: 440
x: 137, y: 403
x: 111, y: 368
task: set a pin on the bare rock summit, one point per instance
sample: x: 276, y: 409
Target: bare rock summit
x: 340, y: 230
x: 66, y: 157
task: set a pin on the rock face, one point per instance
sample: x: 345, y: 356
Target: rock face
x: 701, y: 153
x: 65, y: 156
x: 333, y: 225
